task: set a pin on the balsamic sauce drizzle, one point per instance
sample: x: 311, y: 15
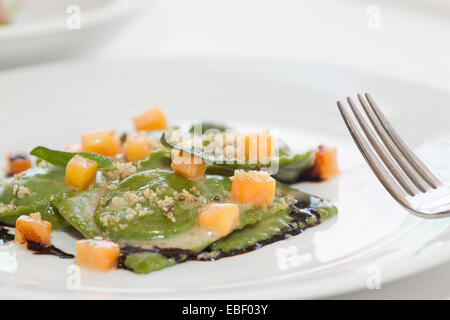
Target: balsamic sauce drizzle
x: 5, y: 236
x: 39, y: 248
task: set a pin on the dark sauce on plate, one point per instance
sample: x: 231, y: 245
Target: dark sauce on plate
x: 39, y: 248
x: 5, y: 236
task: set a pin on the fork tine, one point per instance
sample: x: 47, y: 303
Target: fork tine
x: 415, y: 162
x: 401, y: 161
x: 377, y: 167
x: 399, y: 175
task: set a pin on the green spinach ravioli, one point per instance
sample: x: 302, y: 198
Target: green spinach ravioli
x: 144, y: 202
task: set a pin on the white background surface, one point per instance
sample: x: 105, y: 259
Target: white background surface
x: 412, y: 43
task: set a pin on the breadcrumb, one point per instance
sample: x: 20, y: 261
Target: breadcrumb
x: 188, y: 199
x: 131, y: 214
x: 21, y: 191
x: 44, y: 164
x: 4, y: 207
x: 123, y: 171
x: 167, y: 205
x: 118, y: 202
x: 150, y: 195
x: 131, y: 197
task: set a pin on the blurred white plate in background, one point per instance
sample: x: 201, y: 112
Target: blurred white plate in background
x: 371, y: 242
x: 46, y: 29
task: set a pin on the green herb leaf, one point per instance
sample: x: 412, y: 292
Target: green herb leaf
x: 212, y: 163
x: 192, y: 151
x: 291, y: 166
x: 61, y: 158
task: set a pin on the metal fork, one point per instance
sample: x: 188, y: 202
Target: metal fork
x: 401, y: 172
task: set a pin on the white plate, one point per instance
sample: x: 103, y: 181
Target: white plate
x: 372, y: 238
x: 44, y: 29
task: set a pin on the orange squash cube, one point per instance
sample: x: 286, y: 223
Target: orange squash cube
x: 33, y: 228
x: 97, y: 254
x: 137, y: 148
x: 253, y: 187
x: 103, y: 142
x: 80, y: 172
x: 220, y: 218
x: 325, y: 165
x: 153, y: 119
x: 188, y: 166
x: 17, y: 163
x: 74, y: 147
x: 19, y: 237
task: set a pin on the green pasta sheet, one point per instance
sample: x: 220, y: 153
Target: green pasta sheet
x: 43, y: 185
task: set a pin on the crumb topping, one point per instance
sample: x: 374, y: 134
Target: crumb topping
x: 35, y: 216
x: 252, y: 175
x: 107, y: 186
x: 21, y: 191
x: 124, y: 170
x: 131, y: 197
x: 188, y: 199
x: 167, y: 205
x: 44, y: 164
x: 4, y: 207
x: 150, y: 195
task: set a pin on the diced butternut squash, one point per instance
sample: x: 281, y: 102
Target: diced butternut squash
x: 137, y: 148
x: 153, y: 119
x: 19, y: 237
x: 220, y: 218
x: 74, y: 147
x: 188, y: 166
x: 16, y: 163
x: 253, y: 187
x: 97, y: 254
x: 33, y: 228
x: 258, y: 146
x: 80, y: 172
x: 103, y: 142
x: 325, y: 165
